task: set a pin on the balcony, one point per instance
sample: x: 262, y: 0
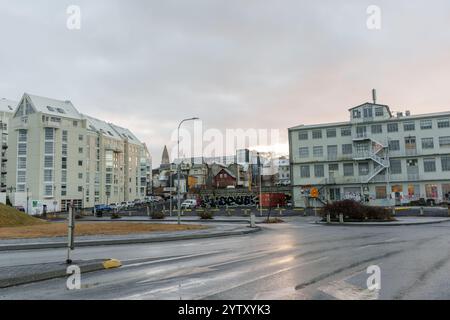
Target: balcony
x: 51, y: 124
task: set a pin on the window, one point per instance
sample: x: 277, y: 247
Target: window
x: 429, y: 165
x: 445, y: 163
x: 22, y: 135
x: 48, y: 147
x: 22, y: 149
x: 48, y: 190
x: 377, y: 128
x: 431, y: 191
x: 64, y: 135
x: 303, y: 135
x: 21, y: 176
x: 64, y: 149
x: 368, y: 112
x: 304, y: 152
x: 333, y: 167
x: 21, y: 163
x: 51, y: 109
x: 409, y: 126
x: 304, y: 172
x: 380, y: 192
x: 48, y: 162
x: 443, y: 123
x: 48, y: 175
x: 331, y: 133
x: 396, y: 166
x: 319, y: 170
x: 80, y: 189
x: 80, y: 150
x: 347, y: 148
x: 60, y: 110
x: 80, y: 137
x: 392, y: 127
x: 49, y: 133
x: 332, y: 152
x: 345, y: 132
x: 317, y: 134
x: 64, y: 176
x: 426, y: 124
x: 379, y: 111
x: 80, y: 175
x: 356, y: 114
x: 348, y: 169
x: 318, y: 151
x: 63, y: 163
x: 444, y: 142
x: 394, y: 145
x: 80, y: 163
x: 427, y: 143
x: 75, y: 123
x: 363, y: 168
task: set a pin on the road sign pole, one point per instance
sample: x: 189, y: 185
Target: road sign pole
x: 70, y: 234
x: 315, y: 207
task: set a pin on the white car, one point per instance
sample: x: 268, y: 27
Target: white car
x: 189, y: 204
x: 114, y: 206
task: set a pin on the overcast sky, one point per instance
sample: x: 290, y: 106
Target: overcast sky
x: 244, y: 64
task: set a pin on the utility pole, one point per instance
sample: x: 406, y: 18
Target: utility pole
x: 260, y: 184
x: 178, y: 168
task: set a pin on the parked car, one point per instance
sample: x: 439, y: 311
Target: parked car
x: 114, y: 206
x: 20, y: 208
x: 99, y: 209
x: 189, y: 204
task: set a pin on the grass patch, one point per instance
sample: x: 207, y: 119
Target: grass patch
x: 11, y: 217
x: 59, y: 229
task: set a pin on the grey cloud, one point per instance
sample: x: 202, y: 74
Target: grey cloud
x: 236, y: 64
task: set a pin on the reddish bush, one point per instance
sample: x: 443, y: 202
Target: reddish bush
x: 353, y: 210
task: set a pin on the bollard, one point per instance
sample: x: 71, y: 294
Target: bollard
x: 341, y: 218
x: 421, y: 211
x: 148, y: 211
x: 252, y: 220
x: 328, y: 218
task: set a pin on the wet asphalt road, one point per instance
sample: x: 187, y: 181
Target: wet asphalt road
x: 294, y: 260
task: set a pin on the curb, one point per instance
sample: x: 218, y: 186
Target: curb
x: 379, y: 224
x: 91, y: 243
x: 247, y: 221
x: 60, y: 273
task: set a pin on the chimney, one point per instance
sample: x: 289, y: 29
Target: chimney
x: 374, y: 96
x: 407, y: 113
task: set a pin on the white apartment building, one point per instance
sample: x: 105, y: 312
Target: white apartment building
x: 6, y: 111
x: 58, y: 156
x: 376, y: 157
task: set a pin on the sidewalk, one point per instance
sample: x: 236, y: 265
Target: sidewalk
x: 84, y: 241
x: 401, y: 221
x: 16, y: 275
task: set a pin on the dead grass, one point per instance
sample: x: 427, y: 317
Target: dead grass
x: 11, y: 217
x: 50, y: 230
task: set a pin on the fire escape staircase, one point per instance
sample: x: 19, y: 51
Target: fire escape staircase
x: 377, y: 153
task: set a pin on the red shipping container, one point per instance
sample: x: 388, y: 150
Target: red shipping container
x: 273, y: 199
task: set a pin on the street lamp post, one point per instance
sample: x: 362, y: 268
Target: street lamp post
x: 178, y: 167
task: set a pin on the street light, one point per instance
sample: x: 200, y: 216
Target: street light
x: 178, y: 167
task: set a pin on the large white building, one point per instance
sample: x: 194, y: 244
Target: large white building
x: 58, y: 156
x: 376, y: 157
x: 6, y: 111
